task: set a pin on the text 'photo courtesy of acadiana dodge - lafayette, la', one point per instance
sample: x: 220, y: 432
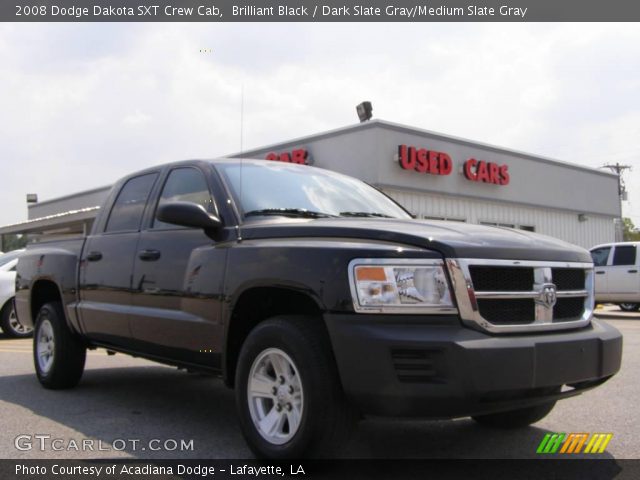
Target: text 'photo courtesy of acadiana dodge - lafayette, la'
x: 144, y: 470
x: 361, y: 12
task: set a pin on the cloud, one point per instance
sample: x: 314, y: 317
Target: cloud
x: 86, y: 104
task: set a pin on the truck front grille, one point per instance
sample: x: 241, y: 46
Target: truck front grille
x: 504, y: 312
x: 568, y: 309
x: 568, y: 278
x: 507, y: 296
x: 495, y: 279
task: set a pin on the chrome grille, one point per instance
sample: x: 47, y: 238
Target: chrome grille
x: 508, y: 296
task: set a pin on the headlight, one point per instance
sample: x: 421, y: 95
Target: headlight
x: 399, y: 286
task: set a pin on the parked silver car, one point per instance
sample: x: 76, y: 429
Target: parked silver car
x: 8, y: 320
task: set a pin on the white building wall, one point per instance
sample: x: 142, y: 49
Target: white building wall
x: 594, y: 229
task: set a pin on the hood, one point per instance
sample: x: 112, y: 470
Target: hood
x: 451, y: 239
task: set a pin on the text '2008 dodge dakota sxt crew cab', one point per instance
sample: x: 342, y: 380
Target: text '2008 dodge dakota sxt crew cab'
x: 318, y: 299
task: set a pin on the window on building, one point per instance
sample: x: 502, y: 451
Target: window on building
x: 185, y: 184
x: 624, y: 255
x: 128, y: 208
x: 528, y: 228
x: 496, y: 224
x: 600, y: 256
x: 448, y: 219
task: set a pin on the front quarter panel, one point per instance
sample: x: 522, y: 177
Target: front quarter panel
x: 317, y: 268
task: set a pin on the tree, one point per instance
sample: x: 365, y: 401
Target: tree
x: 629, y: 231
x: 13, y: 242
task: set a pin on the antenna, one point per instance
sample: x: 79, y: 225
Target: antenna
x: 241, y: 152
x: 241, y: 117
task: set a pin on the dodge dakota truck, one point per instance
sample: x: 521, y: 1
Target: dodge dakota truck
x: 319, y: 300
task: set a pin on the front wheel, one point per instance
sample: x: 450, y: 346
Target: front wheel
x: 516, y: 418
x: 629, y: 307
x: 288, y: 394
x: 10, y: 324
x: 58, y: 354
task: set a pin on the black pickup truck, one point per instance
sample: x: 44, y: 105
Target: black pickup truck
x: 319, y: 299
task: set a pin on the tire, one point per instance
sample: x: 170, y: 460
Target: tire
x: 58, y: 354
x: 629, y: 307
x: 288, y: 363
x: 10, y: 324
x: 522, y: 417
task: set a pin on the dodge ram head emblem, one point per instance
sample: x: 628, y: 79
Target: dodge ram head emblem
x: 547, y: 295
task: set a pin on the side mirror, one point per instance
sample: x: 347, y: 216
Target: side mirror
x: 187, y: 214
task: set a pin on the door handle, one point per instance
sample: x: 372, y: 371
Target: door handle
x: 94, y: 256
x: 149, y: 255
x: 632, y: 271
x: 600, y: 272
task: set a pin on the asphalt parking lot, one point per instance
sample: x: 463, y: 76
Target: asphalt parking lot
x: 126, y: 407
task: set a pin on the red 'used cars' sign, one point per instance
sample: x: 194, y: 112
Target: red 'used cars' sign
x: 486, y: 172
x: 424, y: 161
x: 432, y: 162
x: 299, y: 155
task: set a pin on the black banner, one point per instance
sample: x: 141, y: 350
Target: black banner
x: 566, y: 469
x: 318, y: 11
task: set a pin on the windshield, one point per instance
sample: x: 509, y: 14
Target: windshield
x: 273, y: 188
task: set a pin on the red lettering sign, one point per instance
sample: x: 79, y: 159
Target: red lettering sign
x: 299, y: 156
x: 486, y: 172
x: 424, y: 161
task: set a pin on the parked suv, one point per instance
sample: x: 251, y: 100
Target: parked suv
x: 617, y: 274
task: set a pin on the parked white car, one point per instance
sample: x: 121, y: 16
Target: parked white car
x: 8, y: 320
x: 617, y: 274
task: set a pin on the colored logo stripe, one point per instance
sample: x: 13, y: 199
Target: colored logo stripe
x: 550, y: 443
x: 598, y: 442
x: 573, y: 443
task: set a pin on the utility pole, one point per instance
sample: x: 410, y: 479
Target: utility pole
x: 617, y: 168
x: 622, y: 195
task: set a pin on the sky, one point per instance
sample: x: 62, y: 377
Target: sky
x: 84, y: 104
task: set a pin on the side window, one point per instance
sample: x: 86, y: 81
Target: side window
x: 624, y: 255
x: 128, y: 208
x: 184, y: 185
x: 600, y: 256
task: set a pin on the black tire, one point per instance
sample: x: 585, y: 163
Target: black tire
x: 325, y: 418
x: 629, y: 307
x: 522, y: 417
x: 68, y: 352
x: 10, y: 325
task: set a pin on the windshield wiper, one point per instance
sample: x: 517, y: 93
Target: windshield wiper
x: 288, y: 212
x: 364, y: 214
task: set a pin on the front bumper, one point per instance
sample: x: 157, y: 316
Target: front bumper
x: 400, y: 366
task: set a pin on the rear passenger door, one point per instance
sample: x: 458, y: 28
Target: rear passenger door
x: 169, y: 320
x: 106, y: 265
x: 623, y: 277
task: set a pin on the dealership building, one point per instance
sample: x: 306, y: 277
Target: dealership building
x: 432, y: 175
